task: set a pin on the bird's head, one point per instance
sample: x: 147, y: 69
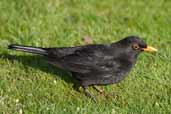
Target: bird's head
x: 135, y: 45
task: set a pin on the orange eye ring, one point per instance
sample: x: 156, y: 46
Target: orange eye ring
x: 135, y: 46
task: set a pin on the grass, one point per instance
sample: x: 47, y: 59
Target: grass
x: 28, y: 85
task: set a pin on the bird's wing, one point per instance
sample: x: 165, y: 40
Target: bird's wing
x: 84, y: 59
x: 61, y: 52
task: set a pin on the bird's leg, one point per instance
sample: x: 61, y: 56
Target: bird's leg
x: 98, y: 89
x: 89, y: 94
x: 77, y: 84
x: 76, y: 87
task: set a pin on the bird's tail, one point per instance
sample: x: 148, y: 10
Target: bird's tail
x: 35, y: 50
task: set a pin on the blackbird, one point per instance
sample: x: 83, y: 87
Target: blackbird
x: 98, y: 64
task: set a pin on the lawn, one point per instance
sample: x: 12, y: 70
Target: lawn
x: 29, y: 85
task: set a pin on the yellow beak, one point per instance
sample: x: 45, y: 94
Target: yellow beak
x: 150, y: 49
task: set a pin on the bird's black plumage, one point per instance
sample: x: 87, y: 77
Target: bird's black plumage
x: 99, y: 64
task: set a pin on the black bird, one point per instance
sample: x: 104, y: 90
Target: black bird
x: 98, y: 64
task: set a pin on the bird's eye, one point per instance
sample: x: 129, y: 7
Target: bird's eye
x: 135, y: 46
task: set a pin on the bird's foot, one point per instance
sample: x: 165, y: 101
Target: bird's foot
x: 98, y: 89
x: 89, y: 94
x: 110, y: 96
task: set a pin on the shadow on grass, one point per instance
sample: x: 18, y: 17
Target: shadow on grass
x: 39, y: 62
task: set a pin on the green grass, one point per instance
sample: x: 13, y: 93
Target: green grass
x: 29, y: 85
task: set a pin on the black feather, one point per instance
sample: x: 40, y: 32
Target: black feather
x: 29, y: 49
x: 92, y: 64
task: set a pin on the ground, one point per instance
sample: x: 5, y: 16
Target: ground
x: 29, y: 85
